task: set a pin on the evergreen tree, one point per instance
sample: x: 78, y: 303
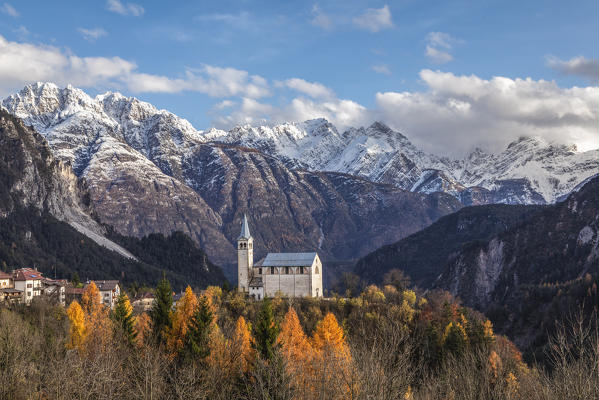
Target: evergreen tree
x: 266, y: 331
x: 197, y: 344
x: 123, y: 317
x: 161, y: 309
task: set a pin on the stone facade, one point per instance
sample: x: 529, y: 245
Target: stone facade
x: 291, y: 274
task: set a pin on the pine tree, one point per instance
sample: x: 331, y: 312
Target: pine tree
x: 197, y: 342
x: 177, y: 332
x: 161, y: 309
x: 123, y: 317
x: 77, y: 330
x: 266, y: 331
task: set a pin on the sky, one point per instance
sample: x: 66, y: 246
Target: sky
x: 450, y: 75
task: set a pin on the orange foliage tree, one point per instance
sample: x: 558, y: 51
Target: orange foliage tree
x: 97, y: 322
x: 143, y: 329
x: 176, y: 333
x: 332, y: 361
x: 297, y: 352
x: 241, y: 348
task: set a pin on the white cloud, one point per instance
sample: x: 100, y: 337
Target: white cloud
x: 456, y: 113
x: 320, y: 19
x: 23, y: 63
x: 438, y: 46
x: 119, y: 7
x: 374, y: 19
x: 9, y: 10
x: 312, y: 89
x: 580, y: 66
x: 381, y: 69
x: 92, y: 34
x: 438, y: 56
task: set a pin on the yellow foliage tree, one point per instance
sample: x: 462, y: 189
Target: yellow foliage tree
x: 143, y: 328
x: 77, y: 330
x: 176, y: 333
x: 97, y: 321
x: 91, y: 299
x: 241, y: 348
x: 332, y: 360
x: 297, y: 351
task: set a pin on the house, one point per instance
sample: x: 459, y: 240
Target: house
x: 292, y: 274
x: 144, y: 302
x: 55, y: 289
x: 29, y: 281
x: 109, y: 291
x: 5, y: 280
x: 73, y: 294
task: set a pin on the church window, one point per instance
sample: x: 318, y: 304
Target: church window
x: 272, y: 270
x: 287, y: 270
x: 301, y: 270
x: 259, y: 271
x: 316, y: 272
x: 250, y: 245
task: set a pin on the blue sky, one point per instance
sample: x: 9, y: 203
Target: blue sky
x: 424, y: 67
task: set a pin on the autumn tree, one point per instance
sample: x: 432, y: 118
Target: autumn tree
x: 161, y: 309
x: 332, y: 363
x: 241, y: 346
x: 123, y: 318
x: 77, y: 329
x: 143, y: 329
x: 265, y: 331
x: 177, y: 333
x: 97, y: 321
x: 296, y: 351
x: 197, y: 342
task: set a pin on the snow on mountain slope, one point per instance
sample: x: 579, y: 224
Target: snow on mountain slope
x: 528, y: 171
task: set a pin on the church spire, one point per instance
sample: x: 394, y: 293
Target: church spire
x: 245, y: 229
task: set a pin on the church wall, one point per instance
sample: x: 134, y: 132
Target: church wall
x: 291, y: 285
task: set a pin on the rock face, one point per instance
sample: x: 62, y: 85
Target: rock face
x: 33, y: 177
x: 557, y: 245
x: 150, y: 171
x: 424, y: 255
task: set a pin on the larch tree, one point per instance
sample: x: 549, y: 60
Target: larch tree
x: 177, y: 332
x: 241, y: 345
x: 143, y: 329
x: 332, y: 362
x: 161, y: 309
x: 296, y: 350
x: 265, y: 331
x: 123, y: 318
x: 77, y: 329
x: 97, y: 321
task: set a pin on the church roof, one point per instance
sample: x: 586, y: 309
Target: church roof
x: 289, y: 259
x: 245, y: 229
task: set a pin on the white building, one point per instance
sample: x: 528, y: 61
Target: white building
x: 109, y: 291
x: 29, y: 281
x: 292, y: 274
x: 55, y: 289
x: 5, y: 280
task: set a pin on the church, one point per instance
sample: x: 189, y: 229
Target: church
x: 292, y: 274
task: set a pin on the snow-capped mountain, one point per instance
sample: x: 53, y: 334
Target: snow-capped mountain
x: 149, y: 171
x: 528, y: 171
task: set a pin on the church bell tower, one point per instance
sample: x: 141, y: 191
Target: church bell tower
x: 245, y: 256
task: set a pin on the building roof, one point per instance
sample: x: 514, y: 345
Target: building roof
x: 27, y: 274
x: 4, y: 275
x: 11, y: 291
x: 256, y: 282
x: 245, y: 229
x: 55, y: 282
x: 105, y: 286
x: 289, y: 259
x: 74, y: 291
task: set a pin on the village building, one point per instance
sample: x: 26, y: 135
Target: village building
x: 291, y: 274
x: 143, y: 302
x: 55, y: 289
x: 29, y: 282
x: 109, y: 292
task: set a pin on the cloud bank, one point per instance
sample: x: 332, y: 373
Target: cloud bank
x: 450, y: 114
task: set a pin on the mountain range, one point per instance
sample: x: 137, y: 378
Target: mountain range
x: 148, y: 171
